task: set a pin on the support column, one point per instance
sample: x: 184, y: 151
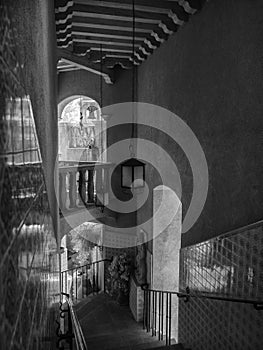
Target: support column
x: 72, y: 190
x: 91, y: 185
x: 166, y: 249
x: 62, y: 191
x: 82, y: 187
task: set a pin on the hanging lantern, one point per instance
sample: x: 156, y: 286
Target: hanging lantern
x: 132, y: 174
x: 133, y: 170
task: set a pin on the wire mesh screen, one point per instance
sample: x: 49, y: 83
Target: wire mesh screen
x: 229, y: 265
x: 28, y: 252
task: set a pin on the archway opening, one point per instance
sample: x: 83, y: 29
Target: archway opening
x: 80, y: 130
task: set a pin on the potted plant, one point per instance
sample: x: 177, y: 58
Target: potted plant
x: 119, y: 272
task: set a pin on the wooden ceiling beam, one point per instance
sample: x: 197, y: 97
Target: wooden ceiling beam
x: 147, y: 6
x: 106, y: 42
x: 90, y: 10
x: 94, y: 54
x: 157, y: 6
x: 110, y: 49
x: 83, y: 63
x: 156, y: 13
x: 65, y: 65
x: 68, y: 69
x: 101, y: 22
x: 89, y: 24
x: 106, y: 39
x: 107, y: 33
x: 116, y: 17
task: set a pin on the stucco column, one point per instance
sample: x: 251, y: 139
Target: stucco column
x: 166, y: 246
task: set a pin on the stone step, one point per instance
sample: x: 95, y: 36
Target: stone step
x: 143, y: 346
x: 174, y: 346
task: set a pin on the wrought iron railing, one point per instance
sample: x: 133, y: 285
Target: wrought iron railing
x: 73, y: 334
x: 81, y: 281
x: 158, y: 309
x: 82, y: 184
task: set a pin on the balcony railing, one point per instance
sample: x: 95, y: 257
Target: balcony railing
x: 83, y: 184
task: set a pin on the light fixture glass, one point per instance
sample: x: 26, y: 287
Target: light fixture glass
x: 132, y: 174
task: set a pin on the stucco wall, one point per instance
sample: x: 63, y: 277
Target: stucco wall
x: 209, y: 73
x: 34, y: 25
x: 81, y: 82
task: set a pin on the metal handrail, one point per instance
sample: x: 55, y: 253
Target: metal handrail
x: 157, y: 310
x: 86, y: 265
x: 82, y: 284
x: 74, y: 330
x: 258, y: 304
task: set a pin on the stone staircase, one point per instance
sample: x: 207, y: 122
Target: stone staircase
x: 109, y: 326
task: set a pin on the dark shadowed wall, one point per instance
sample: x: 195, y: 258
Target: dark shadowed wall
x: 209, y: 73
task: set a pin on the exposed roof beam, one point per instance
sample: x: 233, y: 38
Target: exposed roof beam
x: 83, y: 63
x: 88, y: 25
x: 108, y: 50
x: 118, y: 34
x: 155, y: 6
x: 65, y: 65
x: 116, y: 17
x: 81, y: 39
x: 68, y: 69
x: 125, y: 25
x: 156, y: 13
x: 106, y: 39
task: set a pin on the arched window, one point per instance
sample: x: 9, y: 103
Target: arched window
x: 80, y: 130
x: 86, y: 106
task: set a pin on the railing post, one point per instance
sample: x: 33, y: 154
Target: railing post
x: 162, y: 316
x: 82, y: 186
x: 99, y: 187
x: 106, y: 186
x: 76, y: 284
x: 87, y: 281
x: 91, y: 185
x: 167, y: 320
x: 72, y: 189
x: 72, y: 285
x: 70, y: 329
x: 170, y: 317
x: 153, y: 303
x: 62, y: 191
x: 97, y: 277
x: 159, y: 319
x: 149, y: 312
x: 66, y: 282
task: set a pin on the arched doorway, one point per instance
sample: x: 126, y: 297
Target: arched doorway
x: 80, y: 130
